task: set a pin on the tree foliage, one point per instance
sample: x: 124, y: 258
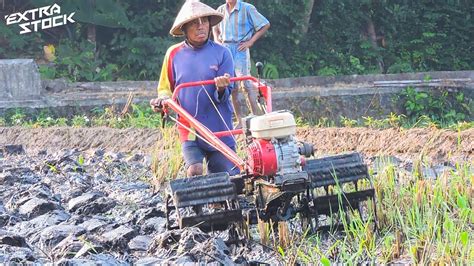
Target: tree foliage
x: 307, y: 37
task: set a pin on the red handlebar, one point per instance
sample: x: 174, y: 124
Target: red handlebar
x: 207, y: 82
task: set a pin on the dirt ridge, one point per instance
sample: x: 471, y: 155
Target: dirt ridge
x: 438, y: 145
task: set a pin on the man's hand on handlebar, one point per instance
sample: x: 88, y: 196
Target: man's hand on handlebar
x: 222, y: 82
x: 157, y: 104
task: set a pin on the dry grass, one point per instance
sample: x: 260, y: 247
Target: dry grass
x: 420, y: 220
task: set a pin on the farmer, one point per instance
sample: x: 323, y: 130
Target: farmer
x: 241, y: 27
x: 198, y: 58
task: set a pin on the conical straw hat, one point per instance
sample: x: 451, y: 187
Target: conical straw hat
x: 193, y: 9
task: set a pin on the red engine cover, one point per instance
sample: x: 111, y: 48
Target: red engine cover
x: 263, y: 160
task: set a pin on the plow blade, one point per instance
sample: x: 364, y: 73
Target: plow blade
x: 214, y: 221
x: 202, y: 190
x: 330, y: 204
x: 335, y: 170
x: 208, y: 202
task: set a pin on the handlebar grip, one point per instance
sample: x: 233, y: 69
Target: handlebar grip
x: 208, y: 82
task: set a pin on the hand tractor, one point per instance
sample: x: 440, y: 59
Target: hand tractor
x: 279, y: 180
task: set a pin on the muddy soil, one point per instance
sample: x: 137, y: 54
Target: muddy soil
x: 83, y: 196
x: 437, y: 145
x: 98, y: 208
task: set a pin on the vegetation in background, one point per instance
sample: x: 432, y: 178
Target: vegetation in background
x: 141, y: 116
x: 77, y: 62
x: 440, y: 105
x: 126, y: 40
x: 138, y: 116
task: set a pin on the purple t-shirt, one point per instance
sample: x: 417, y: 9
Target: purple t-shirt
x: 185, y: 63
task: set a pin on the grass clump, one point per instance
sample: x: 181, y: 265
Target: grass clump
x: 141, y: 116
x: 136, y: 116
x: 420, y: 221
x: 167, y: 161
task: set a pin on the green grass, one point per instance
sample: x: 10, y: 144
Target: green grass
x: 141, y: 116
x: 138, y: 116
x: 421, y: 221
x: 401, y: 121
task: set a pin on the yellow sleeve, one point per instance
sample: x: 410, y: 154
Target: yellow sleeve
x: 164, y: 85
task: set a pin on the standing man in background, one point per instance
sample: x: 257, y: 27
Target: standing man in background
x: 241, y: 27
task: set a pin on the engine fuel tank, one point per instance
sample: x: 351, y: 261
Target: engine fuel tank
x: 273, y: 125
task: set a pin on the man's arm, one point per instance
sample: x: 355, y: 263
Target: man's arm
x: 255, y: 37
x: 216, y: 32
x: 164, y: 86
x: 260, y: 25
x: 225, y: 71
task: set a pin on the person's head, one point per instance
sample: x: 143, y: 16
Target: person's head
x: 230, y: 2
x: 197, y: 31
x: 194, y: 21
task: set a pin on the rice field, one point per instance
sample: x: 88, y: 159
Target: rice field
x: 420, y: 220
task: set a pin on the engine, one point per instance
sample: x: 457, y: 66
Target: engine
x: 272, y: 146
